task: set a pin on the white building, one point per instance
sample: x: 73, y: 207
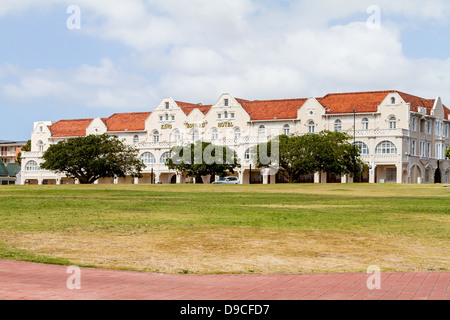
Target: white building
x: 403, y: 137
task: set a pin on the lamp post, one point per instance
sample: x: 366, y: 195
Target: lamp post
x: 354, y: 146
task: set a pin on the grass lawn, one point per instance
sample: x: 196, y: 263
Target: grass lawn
x: 229, y: 229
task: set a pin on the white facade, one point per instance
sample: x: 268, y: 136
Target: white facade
x: 402, y: 137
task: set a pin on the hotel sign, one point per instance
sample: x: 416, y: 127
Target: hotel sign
x: 166, y: 126
x: 195, y: 125
x: 226, y: 125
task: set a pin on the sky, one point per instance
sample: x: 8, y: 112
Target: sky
x: 76, y: 59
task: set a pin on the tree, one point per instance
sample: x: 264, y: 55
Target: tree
x: 25, y: 148
x: 93, y: 157
x: 327, y: 151
x: 447, y: 154
x: 202, y: 159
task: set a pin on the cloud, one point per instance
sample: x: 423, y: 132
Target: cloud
x: 196, y: 50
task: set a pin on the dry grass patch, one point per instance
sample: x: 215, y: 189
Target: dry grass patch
x: 237, y: 250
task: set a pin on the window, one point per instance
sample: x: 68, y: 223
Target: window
x: 248, y: 154
x: 148, y: 158
x: 136, y: 139
x: 414, y: 124
x: 232, y: 115
x: 155, y: 136
x: 429, y: 149
x: 423, y: 149
x: 446, y: 131
x: 439, y: 129
x: 40, y: 146
x: 214, y: 134
x: 167, y: 106
x: 226, y: 102
x: 237, y: 134
x: 219, y: 116
x: 338, y: 126
x: 386, y: 147
x: 195, y: 135
x: 365, y: 124
x: 393, y: 100
x: 364, y: 149
x: 176, y: 136
x: 173, y: 118
x: 165, y: 157
x: 392, y: 122
x: 286, y: 130
x: 311, y: 126
x: 262, y: 131
x: 167, y: 117
x: 225, y: 114
x: 413, y: 148
x: 161, y: 118
x: 429, y: 126
x: 31, y: 166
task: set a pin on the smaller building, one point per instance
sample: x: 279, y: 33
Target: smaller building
x: 5, y: 175
x: 9, y: 150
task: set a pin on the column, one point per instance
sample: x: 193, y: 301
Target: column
x: 372, y: 171
x: 136, y: 180
x: 399, y: 173
x: 179, y: 178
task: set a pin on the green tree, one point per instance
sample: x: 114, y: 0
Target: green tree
x: 202, y: 159
x: 25, y: 148
x: 327, y: 151
x: 93, y: 157
x: 447, y: 154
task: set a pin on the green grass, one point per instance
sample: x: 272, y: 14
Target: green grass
x: 161, y: 215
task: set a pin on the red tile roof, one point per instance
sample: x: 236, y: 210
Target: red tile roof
x: 70, y: 128
x: 120, y: 122
x: 187, y: 108
x: 272, y: 109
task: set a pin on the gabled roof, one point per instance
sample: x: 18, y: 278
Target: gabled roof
x: 272, y: 109
x: 3, y: 171
x: 187, y: 108
x: 70, y: 128
x: 13, y: 169
x: 120, y: 122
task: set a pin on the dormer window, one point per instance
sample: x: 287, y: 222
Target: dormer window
x: 136, y: 139
x: 226, y: 102
x: 338, y: 126
x: 167, y: 106
x: 393, y: 100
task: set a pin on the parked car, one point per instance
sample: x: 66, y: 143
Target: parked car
x: 227, y: 180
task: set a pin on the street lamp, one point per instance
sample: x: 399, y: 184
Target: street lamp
x: 354, y: 146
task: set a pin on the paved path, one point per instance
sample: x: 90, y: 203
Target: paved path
x: 29, y: 281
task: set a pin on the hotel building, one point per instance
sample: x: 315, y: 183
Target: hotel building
x: 403, y: 138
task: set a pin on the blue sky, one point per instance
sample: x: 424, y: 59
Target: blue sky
x: 128, y: 55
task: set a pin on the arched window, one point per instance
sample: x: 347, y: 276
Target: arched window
x: 363, y: 148
x: 214, y: 134
x: 148, y: 158
x: 393, y: 100
x: 225, y: 114
x: 32, y: 166
x: 237, y: 133
x: 176, y: 136
x: 248, y: 155
x: 287, y: 130
x: 156, y: 136
x: 40, y: 145
x: 136, y: 139
x: 262, y: 131
x: 392, y: 122
x: 386, y: 147
x: 338, y: 126
x: 165, y: 156
x: 311, y: 126
x: 195, y: 135
x: 365, y: 124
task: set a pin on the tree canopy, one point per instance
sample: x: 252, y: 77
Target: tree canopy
x: 327, y: 151
x: 202, y: 159
x: 93, y: 157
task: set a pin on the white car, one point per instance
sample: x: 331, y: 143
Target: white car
x: 227, y: 180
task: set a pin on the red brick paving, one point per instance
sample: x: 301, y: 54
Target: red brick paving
x: 29, y: 281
